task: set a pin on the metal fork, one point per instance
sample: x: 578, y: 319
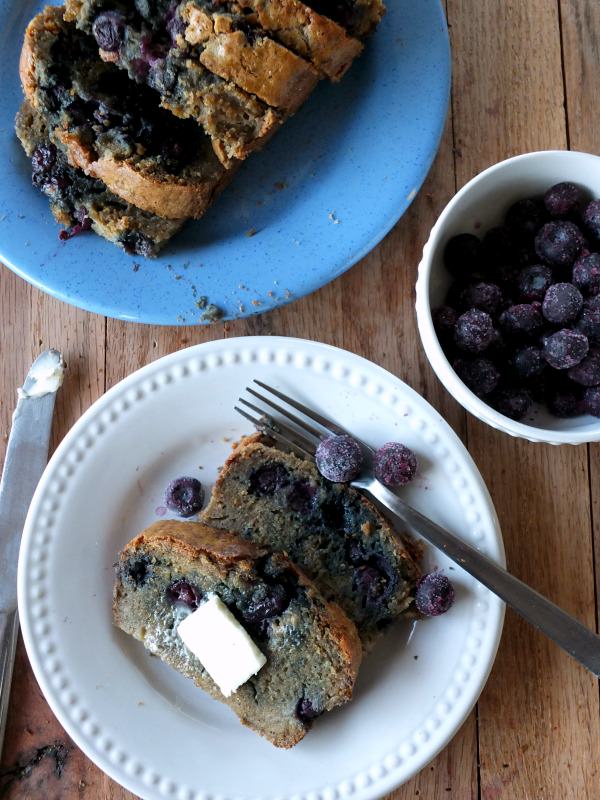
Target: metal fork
x: 304, y: 436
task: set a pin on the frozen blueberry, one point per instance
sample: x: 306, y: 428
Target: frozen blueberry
x: 528, y: 362
x: 587, y: 372
x: 565, y: 348
x: 559, y: 243
x: 339, y: 458
x: 474, y: 331
x: 591, y: 401
x: 591, y: 218
x: 444, y: 321
x: 533, y: 282
x: 479, y: 374
x: 512, y: 401
x: 268, y: 479
x: 526, y: 217
x: 562, y: 303
x: 434, y: 594
x: 184, y: 496
x: 306, y: 711
x: 108, y: 29
x: 462, y: 254
x: 184, y: 593
x: 589, y: 321
x: 563, y: 199
x: 523, y: 319
x: 394, y: 464
x: 586, y: 274
x: 498, y: 247
x: 484, y: 296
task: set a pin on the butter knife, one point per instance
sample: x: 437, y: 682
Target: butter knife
x: 26, y: 458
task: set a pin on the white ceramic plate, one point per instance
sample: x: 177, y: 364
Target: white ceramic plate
x: 148, y: 727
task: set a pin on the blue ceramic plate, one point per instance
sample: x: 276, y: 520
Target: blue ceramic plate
x: 323, y: 193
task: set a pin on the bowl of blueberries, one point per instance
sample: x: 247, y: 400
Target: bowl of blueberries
x: 508, y: 297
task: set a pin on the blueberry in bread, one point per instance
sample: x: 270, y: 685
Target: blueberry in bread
x: 312, y: 650
x: 334, y: 534
x: 147, y: 40
x: 80, y: 202
x: 112, y: 128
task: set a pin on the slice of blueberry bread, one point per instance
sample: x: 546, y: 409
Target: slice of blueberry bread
x: 147, y: 39
x: 358, y: 17
x: 330, y: 530
x: 81, y: 203
x: 312, y: 650
x: 304, y: 31
x: 111, y: 127
x: 208, y: 34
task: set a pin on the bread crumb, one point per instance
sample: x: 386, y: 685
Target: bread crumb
x: 252, y: 232
x: 257, y: 303
x: 332, y: 217
x: 280, y: 185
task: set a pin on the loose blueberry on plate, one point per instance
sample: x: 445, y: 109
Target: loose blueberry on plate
x: 339, y: 458
x: 184, y: 496
x: 394, y: 464
x: 434, y: 595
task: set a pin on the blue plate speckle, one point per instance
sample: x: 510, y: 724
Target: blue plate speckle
x: 322, y: 194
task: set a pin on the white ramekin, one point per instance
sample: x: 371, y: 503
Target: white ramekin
x: 478, y: 206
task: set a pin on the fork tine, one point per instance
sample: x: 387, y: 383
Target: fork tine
x: 330, y: 426
x: 305, y: 426
x: 279, y: 431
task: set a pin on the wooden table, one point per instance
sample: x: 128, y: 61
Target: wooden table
x: 526, y: 77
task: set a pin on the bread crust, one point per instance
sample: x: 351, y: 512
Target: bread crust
x: 311, y: 35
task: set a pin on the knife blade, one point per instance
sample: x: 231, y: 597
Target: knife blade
x: 26, y: 458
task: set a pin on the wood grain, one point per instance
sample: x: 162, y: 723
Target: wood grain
x: 539, y: 705
x: 526, y: 77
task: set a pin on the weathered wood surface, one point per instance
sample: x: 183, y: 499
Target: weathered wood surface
x: 526, y: 77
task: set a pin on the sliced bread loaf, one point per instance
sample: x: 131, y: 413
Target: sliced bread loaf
x: 147, y: 40
x: 80, y: 203
x: 312, y: 650
x: 112, y: 128
x: 330, y: 530
x: 358, y: 17
x: 311, y: 35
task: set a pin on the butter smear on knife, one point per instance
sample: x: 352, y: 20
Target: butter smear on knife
x: 45, y: 376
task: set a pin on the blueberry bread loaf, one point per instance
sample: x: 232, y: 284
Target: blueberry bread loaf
x: 311, y: 651
x: 112, y: 128
x: 81, y: 203
x: 330, y: 530
x: 147, y: 39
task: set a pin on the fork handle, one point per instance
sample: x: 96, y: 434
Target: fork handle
x: 577, y: 640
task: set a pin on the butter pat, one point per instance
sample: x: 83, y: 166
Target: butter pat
x: 221, y: 644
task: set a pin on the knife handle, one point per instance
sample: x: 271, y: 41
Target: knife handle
x: 9, y: 631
